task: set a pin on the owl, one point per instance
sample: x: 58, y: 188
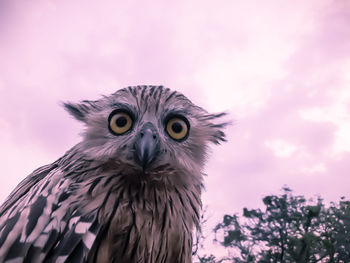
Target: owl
x: 130, y: 191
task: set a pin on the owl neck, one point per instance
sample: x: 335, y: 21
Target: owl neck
x: 147, y: 219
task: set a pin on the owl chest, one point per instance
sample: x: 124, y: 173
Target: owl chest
x: 146, y: 234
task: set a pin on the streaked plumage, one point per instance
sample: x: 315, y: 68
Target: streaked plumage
x: 128, y: 192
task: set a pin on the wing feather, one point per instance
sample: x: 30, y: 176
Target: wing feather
x: 41, y: 221
x: 26, y: 184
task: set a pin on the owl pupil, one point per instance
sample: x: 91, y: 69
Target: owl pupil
x: 176, y: 127
x: 121, y: 121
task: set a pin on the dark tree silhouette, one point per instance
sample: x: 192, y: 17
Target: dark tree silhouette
x: 290, y: 229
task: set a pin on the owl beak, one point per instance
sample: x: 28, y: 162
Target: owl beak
x: 146, y: 147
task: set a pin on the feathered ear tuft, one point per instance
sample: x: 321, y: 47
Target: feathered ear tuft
x: 217, y: 126
x: 79, y: 110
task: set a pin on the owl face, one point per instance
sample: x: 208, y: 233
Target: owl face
x: 148, y: 131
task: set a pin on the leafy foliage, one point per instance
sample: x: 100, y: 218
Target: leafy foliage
x: 290, y: 229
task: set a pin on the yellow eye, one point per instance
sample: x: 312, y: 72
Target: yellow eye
x: 120, y: 122
x: 177, y: 128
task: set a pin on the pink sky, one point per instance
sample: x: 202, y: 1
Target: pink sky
x: 282, y: 70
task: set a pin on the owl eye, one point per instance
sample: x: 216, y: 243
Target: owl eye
x: 177, y: 127
x: 120, y: 122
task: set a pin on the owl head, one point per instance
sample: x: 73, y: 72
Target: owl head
x: 148, y: 133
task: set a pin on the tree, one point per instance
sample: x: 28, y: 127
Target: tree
x: 290, y: 229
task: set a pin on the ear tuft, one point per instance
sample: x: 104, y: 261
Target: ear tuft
x: 217, y: 126
x: 78, y: 111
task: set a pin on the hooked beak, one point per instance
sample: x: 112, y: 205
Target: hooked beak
x: 146, y: 146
